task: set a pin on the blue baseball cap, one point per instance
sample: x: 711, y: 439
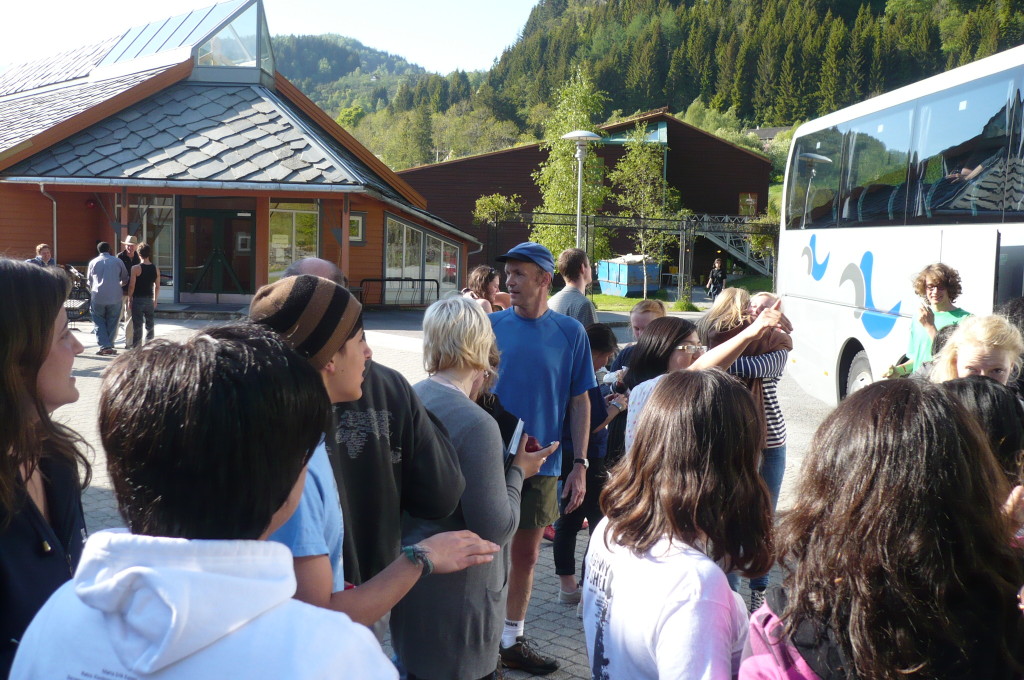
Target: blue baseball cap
x: 531, y: 252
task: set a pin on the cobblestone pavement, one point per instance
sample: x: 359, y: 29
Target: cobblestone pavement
x: 394, y: 337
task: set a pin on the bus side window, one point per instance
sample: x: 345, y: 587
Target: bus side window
x: 813, y: 188
x: 876, y: 160
x: 1013, y: 186
x: 962, y: 141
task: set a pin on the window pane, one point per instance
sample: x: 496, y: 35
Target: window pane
x: 875, y: 182
x: 413, y: 253
x: 1014, y: 186
x: 450, y: 280
x: 814, y: 182
x: 395, y: 249
x: 281, y: 245
x: 961, y: 145
x: 235, y: 45
x: 355, y: 228
x: 432, y: 267
x: 307, y: 226
x: 160, y: 235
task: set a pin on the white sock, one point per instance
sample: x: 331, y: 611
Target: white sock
x: 513, y: 629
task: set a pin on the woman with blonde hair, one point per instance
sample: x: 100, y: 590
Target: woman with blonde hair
x: 981, y: 345
x: 640, y: 317
x: 760, y: 367
x: 449, y: 625
x: 42, y: 468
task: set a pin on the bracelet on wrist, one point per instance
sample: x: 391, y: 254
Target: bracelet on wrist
x: 417, y: 554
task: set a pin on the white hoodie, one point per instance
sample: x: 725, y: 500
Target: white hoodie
x: 146, y: 607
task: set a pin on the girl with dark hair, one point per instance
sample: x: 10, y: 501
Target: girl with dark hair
x: 684, y: 505
x: 42, y: 470
x: 898, y: 552
x: 604, y: 407
x: 482, y: 287
x: 671, y: 344
x: 1001, y: 416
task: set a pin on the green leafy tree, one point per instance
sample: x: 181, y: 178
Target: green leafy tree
x: 642, y: 193
x: 578, y: 103
x: 495, y: 208
x: 350, y: 117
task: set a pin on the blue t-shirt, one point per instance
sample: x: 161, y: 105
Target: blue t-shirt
x: 316, y: 527
x: 544, y: 363
x: 597, y: 445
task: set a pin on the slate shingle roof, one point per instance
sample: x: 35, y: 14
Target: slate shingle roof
x: 23, y: 117
x: 60, y: 68
x: 193, y: 132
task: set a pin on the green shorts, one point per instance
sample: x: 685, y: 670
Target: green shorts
x: 539, y: 505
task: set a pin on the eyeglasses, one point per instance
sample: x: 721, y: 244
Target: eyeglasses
x: 692, y: 349
x: 934, y: 286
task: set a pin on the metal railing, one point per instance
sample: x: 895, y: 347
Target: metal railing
x: 398, y: 292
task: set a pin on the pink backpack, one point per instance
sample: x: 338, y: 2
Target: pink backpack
x: 769, y: 655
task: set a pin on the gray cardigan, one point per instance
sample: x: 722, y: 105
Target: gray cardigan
x: 449, y: 625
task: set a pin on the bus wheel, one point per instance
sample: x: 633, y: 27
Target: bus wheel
x: 859, y: 376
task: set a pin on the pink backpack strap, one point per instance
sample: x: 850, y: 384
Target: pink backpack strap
x: 769, y: 655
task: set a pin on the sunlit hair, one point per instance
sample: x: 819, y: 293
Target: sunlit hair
x: 41, y: 246
x: 897, y: 542
x: 693, y: 473
x: 206, y: 436
x: 728, y: 312
x: 649, y: 306
x: 570, y: 263
x: 145, y: 250
x: 1000, y: 414
x: 655, y: 347
x: 479, y: 279
x: 992, y: 332
x: 32, y: 298
x: 942, y: 274
x: 456, y: 334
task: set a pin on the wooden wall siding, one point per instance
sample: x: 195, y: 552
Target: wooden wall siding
x: 262, y: 240
x: 26, y: 219
x: 709, y: 173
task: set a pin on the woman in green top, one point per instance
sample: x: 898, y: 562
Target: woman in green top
x: 939, y: 286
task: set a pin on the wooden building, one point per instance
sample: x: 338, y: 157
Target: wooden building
x: 713, y: 176
x: 182, y: 134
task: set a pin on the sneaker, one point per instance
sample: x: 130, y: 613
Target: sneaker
x: 579, y: 610
x: 549, y: 532
x: 107, y: 352
x: 756, y: 599
x: 586, y: 525
x: 524, y: 657
x: 569, y: 598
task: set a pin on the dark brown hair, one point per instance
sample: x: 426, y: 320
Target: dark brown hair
x: 944, y: 275
x: 1000, y: 414
x: 206, y: 437
x: 32, y: 297
x: 570, y: 263
x: 692, y: 471
x: 897, y: 542
x: 479, y: 279
x: 655, y: 347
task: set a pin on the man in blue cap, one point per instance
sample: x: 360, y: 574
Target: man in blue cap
x: 545, y: 367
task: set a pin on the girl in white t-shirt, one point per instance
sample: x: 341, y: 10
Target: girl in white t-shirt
x: 686, y: 500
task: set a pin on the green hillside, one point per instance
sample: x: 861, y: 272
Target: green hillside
x: 747, y: 62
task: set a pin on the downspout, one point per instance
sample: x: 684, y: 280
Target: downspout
x: 42, y: 190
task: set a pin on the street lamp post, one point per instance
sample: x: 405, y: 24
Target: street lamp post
x: 581, y: 137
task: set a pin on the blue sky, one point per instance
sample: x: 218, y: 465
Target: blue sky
x: 440, y: 35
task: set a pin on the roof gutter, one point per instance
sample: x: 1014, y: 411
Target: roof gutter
x: 241, y: 186
x: 425, y: 216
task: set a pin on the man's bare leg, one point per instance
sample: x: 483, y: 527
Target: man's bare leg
x: 516, y: 652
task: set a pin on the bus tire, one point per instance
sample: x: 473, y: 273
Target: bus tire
x: 859, y: 376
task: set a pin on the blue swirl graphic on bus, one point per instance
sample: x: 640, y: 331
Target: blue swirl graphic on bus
x: 877, y: 324
x: 816, y: 270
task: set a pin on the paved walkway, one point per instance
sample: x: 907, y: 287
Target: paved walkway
x: 395, y: 338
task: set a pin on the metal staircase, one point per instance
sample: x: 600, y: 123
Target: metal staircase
x: 738, y: 245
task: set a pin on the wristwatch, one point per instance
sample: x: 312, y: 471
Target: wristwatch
x: 417, y: 554
x: 583, y: 461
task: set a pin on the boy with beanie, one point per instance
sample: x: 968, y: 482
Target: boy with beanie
x: 322, y: 322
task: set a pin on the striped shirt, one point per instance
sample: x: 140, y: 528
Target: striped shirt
x: 769, y: 368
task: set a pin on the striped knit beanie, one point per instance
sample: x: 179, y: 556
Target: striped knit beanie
x: 315, y: 316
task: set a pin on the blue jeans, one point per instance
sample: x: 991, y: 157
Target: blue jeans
x: 773, y: 467
x: 105, y: 317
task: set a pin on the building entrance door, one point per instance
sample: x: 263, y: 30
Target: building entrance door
x: 217, y: 256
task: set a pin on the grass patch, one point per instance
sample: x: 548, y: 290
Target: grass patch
x: 752, y: 284
x: 685, y: 306
x: 614, y: 303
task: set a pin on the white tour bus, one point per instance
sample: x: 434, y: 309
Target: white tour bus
x: 931, y: 172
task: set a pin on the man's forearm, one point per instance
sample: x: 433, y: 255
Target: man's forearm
x: 579, y: 424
